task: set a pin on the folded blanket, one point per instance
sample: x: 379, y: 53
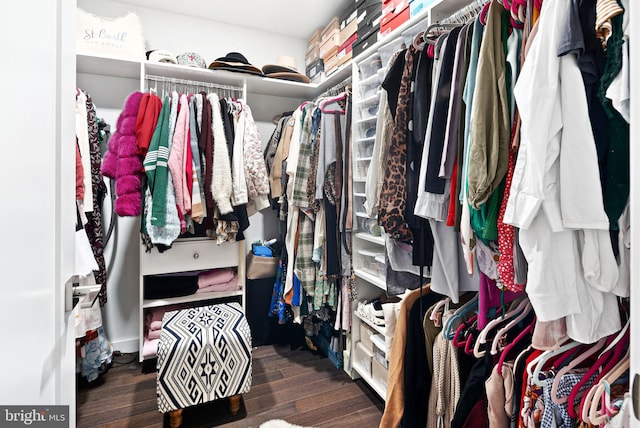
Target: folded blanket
x: 159, y: 287
x: 215, y: 276
x: 153, y: 317
x: 150, y: 347
x: 227, y: 286
x: 156, y: 325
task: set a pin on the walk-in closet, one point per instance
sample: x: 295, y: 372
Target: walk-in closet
x: 281, y: 214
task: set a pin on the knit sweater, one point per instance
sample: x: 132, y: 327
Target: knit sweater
x: 155, y: 165
x: 221, y: 184
x: 255, y: 170
x: 122, y: 163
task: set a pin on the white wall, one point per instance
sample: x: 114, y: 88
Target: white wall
x: 37, y: 187
x: 176, y: 33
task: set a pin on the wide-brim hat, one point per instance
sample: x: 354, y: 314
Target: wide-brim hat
x: 234, y: 61
x: 285, y: 68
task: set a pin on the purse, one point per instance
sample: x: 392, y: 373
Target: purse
x: 260, y: 267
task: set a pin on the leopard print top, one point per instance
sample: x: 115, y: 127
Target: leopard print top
x: 393, y: 194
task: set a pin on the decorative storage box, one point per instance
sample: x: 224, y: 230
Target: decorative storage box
x: 119, y: 37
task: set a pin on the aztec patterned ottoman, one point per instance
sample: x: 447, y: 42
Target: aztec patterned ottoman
x: 204, y: 354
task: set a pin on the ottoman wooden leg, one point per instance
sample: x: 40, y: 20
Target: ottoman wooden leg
x: 234, y: 404
x: 175, y: 418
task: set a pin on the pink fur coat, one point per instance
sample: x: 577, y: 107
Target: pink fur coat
x: 122, y: 163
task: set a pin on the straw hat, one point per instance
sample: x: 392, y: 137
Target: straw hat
x: 285, y: 68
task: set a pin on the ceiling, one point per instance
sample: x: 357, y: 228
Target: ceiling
x: 297, y: 18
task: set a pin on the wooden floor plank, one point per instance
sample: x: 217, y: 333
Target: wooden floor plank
x: 295, y: 385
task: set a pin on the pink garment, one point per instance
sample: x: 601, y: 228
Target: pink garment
x: 150, y: 347
x: 490, y: 297
x: 227, y: 286
x: 216, y: 276
x: 122, y: 163
x: 154, y: 334
x: 178, y: 158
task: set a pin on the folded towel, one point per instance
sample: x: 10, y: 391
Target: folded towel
x: 227, y: 286
x: 154, y: 334
x: 215, y: 276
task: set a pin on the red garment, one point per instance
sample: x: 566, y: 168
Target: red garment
x: 478, y: 417
x: 148, y: 113
x: 453, y: 196
x: 506, y: 236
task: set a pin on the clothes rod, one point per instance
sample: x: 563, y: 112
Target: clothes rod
x: 196, y: 83
x: 466, y: 13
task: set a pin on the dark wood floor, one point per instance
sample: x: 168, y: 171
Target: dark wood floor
x: 294, y: 385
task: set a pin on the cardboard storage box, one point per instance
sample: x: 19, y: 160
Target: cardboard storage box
x: 369, y: 20
x: 350, y: 13
x: 348, y: 31
x: 314, y: 39
x: 333, y: 25
x: 344, y: 57
x: 312, y: 56
x: 394, y: 14
x: 330, y: 45
x: 331, y: 64
x: 418, y: 6
x: 362, y: 45
x: 315, y: 68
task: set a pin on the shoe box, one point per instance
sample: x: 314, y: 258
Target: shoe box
x: 394, y: 14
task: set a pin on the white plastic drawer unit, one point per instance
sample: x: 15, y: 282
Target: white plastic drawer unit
x: 189, y: 255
